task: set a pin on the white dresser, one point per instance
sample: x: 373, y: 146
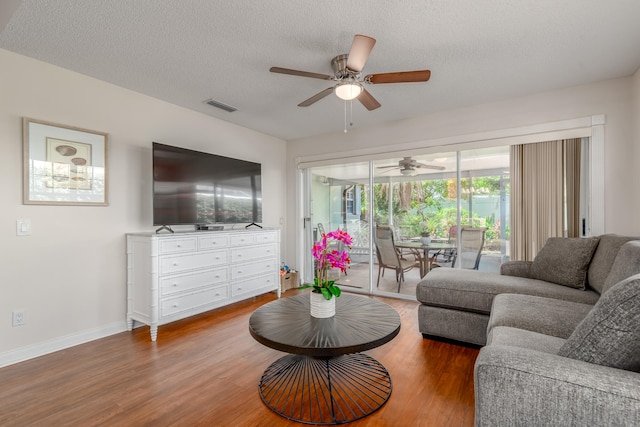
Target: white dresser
x: 173, y: 276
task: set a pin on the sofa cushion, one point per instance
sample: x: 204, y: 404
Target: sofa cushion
x: 515, y: 268
x: 604, y: 258
x: 471, y: 290
x: 458, y: 325
x: 514, y: 337
x: 627, y: 264
x: 610, y: 335
x: 548, y: 316
x: 564, y: 261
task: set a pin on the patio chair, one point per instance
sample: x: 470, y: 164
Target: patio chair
x: 389, y: 257
x: 446, y: 255
x: 471, y: 243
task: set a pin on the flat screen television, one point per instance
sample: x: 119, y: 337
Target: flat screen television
x: 191, y: 187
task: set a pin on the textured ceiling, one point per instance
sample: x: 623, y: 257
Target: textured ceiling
x: 186, y: 52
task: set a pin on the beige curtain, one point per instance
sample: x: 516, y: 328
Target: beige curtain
x: 538, y: 194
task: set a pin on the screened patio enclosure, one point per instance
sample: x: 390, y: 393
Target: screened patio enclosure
x: 434, y: 195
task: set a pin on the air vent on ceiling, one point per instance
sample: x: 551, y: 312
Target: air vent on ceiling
x: 220, y: 105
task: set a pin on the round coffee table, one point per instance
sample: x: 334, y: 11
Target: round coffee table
x: 325, y: 379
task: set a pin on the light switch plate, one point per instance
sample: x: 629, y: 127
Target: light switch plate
x: 23, y: 227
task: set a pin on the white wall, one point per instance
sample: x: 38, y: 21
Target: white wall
x: 69, y: 275
x: 613, y: 98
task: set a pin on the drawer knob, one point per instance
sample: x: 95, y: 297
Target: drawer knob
x: 179, y: 245
x: 217, y: 294
x: 175, y: 264
x: 175, y: 305
x: 217, y: 276
x: 175, y: 284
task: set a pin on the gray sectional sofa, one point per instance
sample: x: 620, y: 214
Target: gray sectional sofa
x: 561, y: 334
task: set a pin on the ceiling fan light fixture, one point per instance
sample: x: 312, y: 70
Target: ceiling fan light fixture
x: 406, y: 172
x: 348, y: 90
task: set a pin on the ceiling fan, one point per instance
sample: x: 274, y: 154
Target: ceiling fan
x: 347, y: 69
x: 407, y: 166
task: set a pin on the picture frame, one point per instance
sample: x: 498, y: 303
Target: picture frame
x: 64, y: 165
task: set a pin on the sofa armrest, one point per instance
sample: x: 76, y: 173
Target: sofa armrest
x: 515, y: 268
x: 516, y: 385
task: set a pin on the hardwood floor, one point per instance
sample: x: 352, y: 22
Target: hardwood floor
x: 204, y: 371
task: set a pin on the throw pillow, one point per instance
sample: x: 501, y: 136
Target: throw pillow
x: 564, y: 261
x: 609, y: 335
x: 603, y: 259
x: 626, y: 264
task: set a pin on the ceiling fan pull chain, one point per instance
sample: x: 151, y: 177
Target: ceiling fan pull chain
x: 351, y: 113
x: 345, y: 116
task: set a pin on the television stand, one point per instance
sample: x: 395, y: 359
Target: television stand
x: 253, y: 223
x: 165, y: 227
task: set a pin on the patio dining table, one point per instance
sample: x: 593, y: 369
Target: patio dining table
x: 422, y: 251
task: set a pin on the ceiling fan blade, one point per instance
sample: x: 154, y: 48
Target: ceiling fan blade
x: 399, y: 77
x: 386, y: 167
x: 369, y: 102
x: 315, y: 98
x: 289, y: 71
x: 359, y: 53
x: 435, y: 167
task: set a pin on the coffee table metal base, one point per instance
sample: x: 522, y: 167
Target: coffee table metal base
x: 325, y: 391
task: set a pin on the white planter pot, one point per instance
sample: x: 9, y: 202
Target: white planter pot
x: 321, y: 307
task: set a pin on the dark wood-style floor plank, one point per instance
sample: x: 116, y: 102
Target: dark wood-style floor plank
x: 204, y: 371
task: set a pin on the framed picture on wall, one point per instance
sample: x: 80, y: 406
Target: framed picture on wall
x: 64, y: 165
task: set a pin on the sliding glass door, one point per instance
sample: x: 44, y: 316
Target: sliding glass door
x: 413, y: 198
x: 484, y: 201
x: 339, y: 196
x: 408, y: 215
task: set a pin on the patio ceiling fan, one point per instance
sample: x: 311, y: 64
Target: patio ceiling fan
x: 407, y: 166
x: 347, y: 73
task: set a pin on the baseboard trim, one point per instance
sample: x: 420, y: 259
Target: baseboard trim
x: 40, y: 349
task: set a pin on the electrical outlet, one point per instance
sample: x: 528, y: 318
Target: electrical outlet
x: 18, y: 318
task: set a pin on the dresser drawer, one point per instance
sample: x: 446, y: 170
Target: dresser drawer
x: 176, y: 305
x: 212, y: 241
x: 250, y: 253
x: 184, y: 282
x: 266, y: 283
x: 266, y: 237
x: 241, y: 239
x: 193, y: 261
x: 240, y: 271
x: 171, y: 246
